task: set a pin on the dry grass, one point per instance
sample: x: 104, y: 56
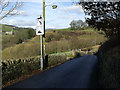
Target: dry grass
x: 61, y: 41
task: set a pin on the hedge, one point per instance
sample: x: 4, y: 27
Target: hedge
x: 109, y: 63
x: 12, y: 69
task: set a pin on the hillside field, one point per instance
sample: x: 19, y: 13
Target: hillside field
x: 56, y: 41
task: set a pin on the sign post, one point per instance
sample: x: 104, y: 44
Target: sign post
x: 41, y: 52
x: 40, y: 31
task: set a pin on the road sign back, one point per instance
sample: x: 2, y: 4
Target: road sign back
x: 39, y: 26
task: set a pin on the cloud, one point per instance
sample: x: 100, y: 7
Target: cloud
x: 12, y: 21
x: 34, y: 27
x: 73, y: 9
x: 18, y: 12
x: 32, y: 9
x: 55, y: 18
x: 19, y: 22
x: 21, y: 12
x: 50, y: 27
x: 64, y: 16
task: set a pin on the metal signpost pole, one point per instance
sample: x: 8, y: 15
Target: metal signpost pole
x: 41, y: 52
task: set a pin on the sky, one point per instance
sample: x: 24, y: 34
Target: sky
x: 55, y: 18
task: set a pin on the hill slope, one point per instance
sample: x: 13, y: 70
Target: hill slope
x: 56, y: 41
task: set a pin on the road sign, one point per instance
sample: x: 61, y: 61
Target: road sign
x: 39, y: 26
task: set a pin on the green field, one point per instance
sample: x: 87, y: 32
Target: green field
x: 6, y: 28
x: 65, y: 29
x: 20, y: 35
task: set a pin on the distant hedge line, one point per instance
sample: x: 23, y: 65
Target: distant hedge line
x: 12, y: 69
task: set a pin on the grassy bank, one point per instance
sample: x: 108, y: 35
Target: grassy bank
x: 109, y: 64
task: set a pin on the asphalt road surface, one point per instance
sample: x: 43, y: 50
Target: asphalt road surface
x: 77, y: 73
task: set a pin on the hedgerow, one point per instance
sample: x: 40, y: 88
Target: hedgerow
x: 12, y: 69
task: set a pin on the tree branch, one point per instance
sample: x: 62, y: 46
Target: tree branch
x: 4, y: 12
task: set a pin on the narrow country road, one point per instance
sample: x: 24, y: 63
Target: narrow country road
x: 77, y: 73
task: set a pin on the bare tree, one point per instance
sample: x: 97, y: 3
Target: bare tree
x: 8, y: 8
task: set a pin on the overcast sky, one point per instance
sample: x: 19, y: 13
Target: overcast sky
x: 55, y: 18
